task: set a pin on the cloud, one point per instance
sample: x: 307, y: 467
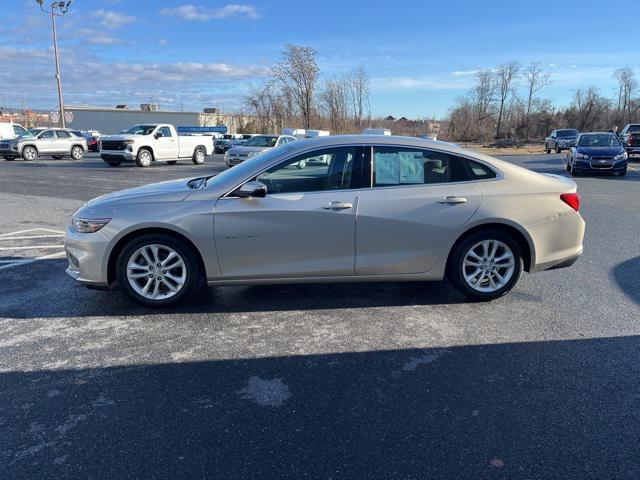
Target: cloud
x: 199, y: 14
x: 113, y: 20
x: 103, y: 40
x: 435, y: 82
x: 92, y: 80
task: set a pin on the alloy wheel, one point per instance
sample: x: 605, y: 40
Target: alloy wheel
x: 488, y: 266
x: 156, y: 272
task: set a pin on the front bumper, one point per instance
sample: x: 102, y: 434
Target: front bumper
x: 118, y: 155
x: 231, y: 161
x: 9, y: 152
x: 591, y: 166
x: 86, y: 257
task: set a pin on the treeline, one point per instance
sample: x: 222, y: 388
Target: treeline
x: 295, y: 96
x: 505, y: 103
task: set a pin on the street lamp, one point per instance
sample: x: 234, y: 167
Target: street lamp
x: 57, y: 9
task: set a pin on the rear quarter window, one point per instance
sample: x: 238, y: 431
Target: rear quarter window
x: 478, y: 171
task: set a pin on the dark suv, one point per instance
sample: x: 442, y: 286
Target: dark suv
x: 561, y: 140
x: 630, y: 138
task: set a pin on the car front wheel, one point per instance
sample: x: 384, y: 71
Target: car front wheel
x: 77, y: 153
x: 198, y: 156
x: 29, y: 153
x: 144, y: 158
x: 158, y: 270
x: 486, y: 265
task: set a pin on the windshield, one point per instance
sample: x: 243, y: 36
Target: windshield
x: 35, y: 131
x: 26, y: 135
x: 599, y: 140
x: 261, y: 141
x: 222, y: 142
x: 141, y: 130
x: 567, y: 133
x: 633, y: 129
x: 245, y: 168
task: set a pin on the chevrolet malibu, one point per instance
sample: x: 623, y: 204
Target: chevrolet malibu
x: 598, y: 152
x: 381, y: 208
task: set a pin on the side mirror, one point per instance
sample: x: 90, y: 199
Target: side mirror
x: 157, y: 135
x: 252, y: 189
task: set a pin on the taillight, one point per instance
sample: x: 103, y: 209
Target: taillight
x: 571, y: 199
x: 631, y: 140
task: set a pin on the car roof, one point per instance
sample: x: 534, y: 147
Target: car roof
x: 368, y: 139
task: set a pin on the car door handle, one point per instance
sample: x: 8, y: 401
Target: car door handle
x: 453, y: 200
x: 338, y: 206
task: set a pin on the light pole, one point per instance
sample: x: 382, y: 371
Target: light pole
x: 58, y: 9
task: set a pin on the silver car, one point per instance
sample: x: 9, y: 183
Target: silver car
x: 381, y: 209
x: 56, y: 142
x: 255, y: 146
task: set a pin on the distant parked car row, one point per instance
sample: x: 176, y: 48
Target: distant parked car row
x: 37, y: 142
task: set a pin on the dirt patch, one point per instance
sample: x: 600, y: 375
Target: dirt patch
x: 526, y: 149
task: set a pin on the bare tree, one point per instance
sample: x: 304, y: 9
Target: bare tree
x: 536, y: 79
x: 359, y: 86
x: 506, y: 75
x: 298, y: 75
x: 627, y: 84
x: 483, y: 94
x: 334, y: 101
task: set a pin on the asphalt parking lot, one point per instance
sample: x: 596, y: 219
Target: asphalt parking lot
x: 315, y: 381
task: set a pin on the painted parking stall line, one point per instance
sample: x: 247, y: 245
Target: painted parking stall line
x: 24, y: 247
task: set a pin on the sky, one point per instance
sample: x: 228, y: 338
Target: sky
x: 187, y: 55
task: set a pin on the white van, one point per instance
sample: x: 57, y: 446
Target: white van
x: 10, y: 130
x: 376, y: 131
x: 299, y: 133
x: 317, y: 133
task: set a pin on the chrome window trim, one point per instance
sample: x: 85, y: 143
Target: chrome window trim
x: 499, y: 173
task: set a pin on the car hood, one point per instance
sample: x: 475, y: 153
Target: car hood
x: 601, y: 151
x: 242, y: 149
x: 122, y: 137
x: 171, y: 191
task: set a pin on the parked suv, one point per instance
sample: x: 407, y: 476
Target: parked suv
x: 561, y: 140
x: 55, y: 142
x: 630, y: 138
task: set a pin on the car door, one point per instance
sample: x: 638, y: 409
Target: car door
x: 46, y: 142
x: 419, y: 201
x: 303, y: 227
x: 62, y: 144
x: 166, y: 144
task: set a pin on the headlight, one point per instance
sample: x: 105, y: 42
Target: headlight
x: 253, y: 154
x: 86, y: 225
x: 582, y: 155
x: 622, y: 156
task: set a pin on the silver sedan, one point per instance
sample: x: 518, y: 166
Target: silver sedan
x: 377, y: 208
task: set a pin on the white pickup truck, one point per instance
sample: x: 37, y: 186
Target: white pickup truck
x: 153, y: 142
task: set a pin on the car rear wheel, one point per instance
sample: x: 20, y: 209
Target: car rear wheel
x: 77, y: 153
x: 29, y: 153
x: 158, y: 270
x: 144, y: 158
x: 486, y: 265
x: 198, y: 156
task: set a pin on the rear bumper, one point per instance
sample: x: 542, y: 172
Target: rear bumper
x: 558, y: 242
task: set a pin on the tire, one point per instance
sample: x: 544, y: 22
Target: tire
x: 461, y: 275
x: 199, y: 154
x: 57, y: 157
x: 573, y: 171
x: 77, y: 152
x: 547, y: 149
x: 622, y: 173
x: 113, y: 163
x: 558, y: 149
x: 144, y: 158
x: 189, y: 273
x: 9, y: 159
x: 29, y: 153
x: 171, y: 162
x: 301, y: 164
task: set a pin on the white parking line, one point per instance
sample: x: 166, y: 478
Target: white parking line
x: 27, y: 261
x: 20, y: 236
x: 33, y: 247
x: 18, y: 232
x: 29, y: 237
